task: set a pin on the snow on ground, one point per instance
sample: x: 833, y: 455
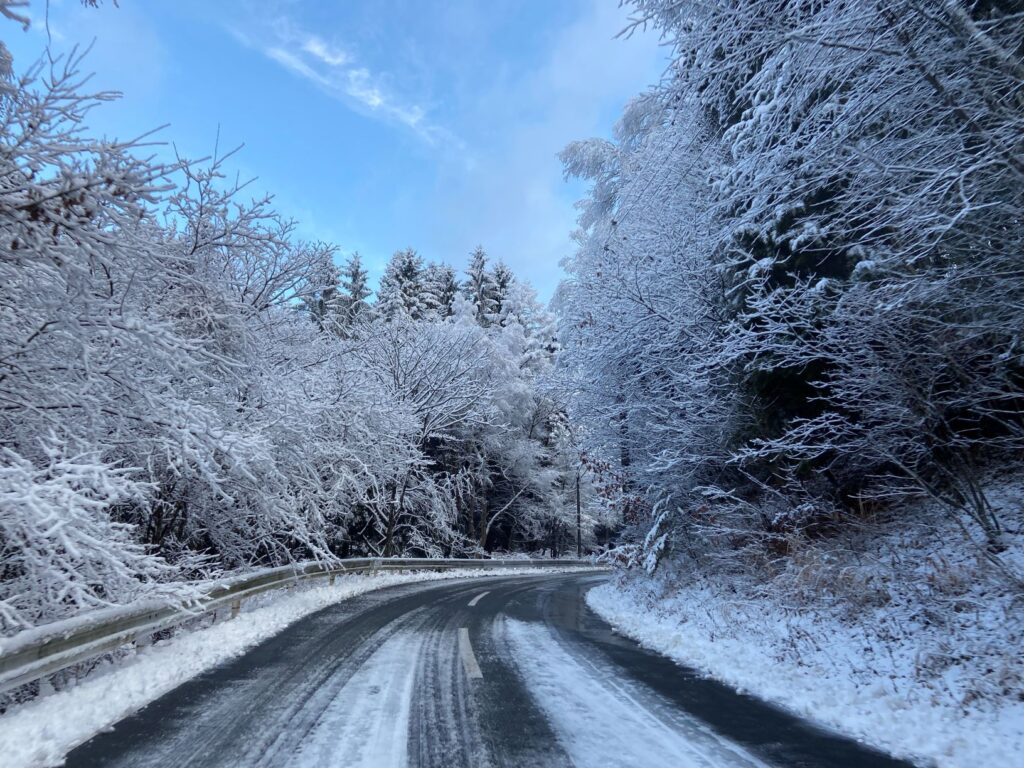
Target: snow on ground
x: 604, y: 720
x: 369, y: 718
x: 907, y: 640
x: 42, y: 731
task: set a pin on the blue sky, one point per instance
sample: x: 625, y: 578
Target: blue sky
x: 377, y: 124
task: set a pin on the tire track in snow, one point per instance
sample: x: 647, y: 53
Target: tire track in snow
x: 366, y: 724
x: 445, y: 728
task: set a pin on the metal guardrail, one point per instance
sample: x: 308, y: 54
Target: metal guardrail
x: 43, y: 653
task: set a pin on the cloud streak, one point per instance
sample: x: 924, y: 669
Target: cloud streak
x: 337, y: 73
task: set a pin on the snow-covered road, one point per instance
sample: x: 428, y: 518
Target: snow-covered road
x: 504, y: 671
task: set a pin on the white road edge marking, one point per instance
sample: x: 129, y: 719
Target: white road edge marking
x: 477, y: 599
x: 468, y: 659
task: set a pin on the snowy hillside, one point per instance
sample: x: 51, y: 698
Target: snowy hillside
x: 908, y: 639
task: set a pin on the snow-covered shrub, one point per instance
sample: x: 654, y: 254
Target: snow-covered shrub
x: 60, y: 549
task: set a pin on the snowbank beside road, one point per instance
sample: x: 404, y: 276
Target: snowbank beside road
x: 41, y: 732
x: 908, y: 641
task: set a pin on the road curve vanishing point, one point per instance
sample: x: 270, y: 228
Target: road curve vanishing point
x: 497, y: 671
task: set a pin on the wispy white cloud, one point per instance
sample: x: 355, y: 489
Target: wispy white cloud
x: 296, y: 65
x: 333, y: 57
x: 337, y: 72
x: 516, y: 98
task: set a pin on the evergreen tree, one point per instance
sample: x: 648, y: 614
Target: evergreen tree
x: 480, y: 287
x: 324, y: 302
x: 441, y: 288
x: 402, y: 287
x: 355, y: 290
x: 504, y: 280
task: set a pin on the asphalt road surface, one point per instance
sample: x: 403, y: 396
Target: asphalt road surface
x: 503, y: 671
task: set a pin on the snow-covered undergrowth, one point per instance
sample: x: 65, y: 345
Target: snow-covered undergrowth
x: 907, y: 639
x: 41, y: 732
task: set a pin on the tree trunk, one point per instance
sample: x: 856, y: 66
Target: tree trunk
x: 483, y: 525
x: 396, y: 510
x: 579, y: 521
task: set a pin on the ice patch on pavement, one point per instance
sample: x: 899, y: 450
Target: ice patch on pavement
x: 603, y: 719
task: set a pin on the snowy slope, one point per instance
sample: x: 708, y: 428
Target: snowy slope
x: 910, y: 641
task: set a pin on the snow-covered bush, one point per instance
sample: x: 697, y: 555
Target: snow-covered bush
x: 60, y: 549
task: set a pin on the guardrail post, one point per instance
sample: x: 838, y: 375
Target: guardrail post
x: 330, y: 579
x: 236, y: 608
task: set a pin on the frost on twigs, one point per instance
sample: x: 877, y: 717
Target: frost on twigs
x: 61, y: 549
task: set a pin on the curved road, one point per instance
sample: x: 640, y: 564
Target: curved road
x: 503, y: 671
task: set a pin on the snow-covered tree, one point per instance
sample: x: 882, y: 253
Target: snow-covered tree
x: 480, y: 288
x: 326, y: 304
x: 442, y: 288
x: 61, y: 550
x: 402, y: 292
x: 504, y: 283
x: 355, y: 290
x: 791, y: 261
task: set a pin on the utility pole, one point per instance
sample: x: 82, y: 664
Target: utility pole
x: 579, y: 527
